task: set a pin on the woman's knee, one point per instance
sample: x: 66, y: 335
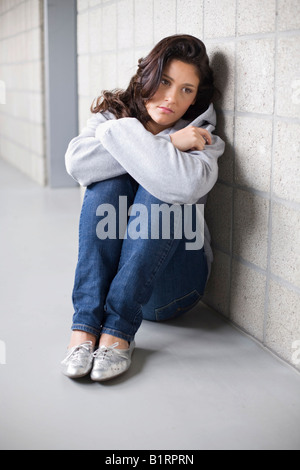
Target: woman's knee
x: 109, y: 192
x: 119, y: 184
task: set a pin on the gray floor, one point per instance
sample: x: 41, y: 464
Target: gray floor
x: 197, y: 383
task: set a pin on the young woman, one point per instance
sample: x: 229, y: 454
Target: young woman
x: 145, y: 147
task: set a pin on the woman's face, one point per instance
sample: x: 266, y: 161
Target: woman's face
x: 176, y: 93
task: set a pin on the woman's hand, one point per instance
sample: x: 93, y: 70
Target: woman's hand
x: 191, y: 138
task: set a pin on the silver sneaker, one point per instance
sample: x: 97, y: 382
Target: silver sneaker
x: 79, y: 360
x: 110, y: 362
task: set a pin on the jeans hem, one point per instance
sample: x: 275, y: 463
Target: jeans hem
x: 118, y: 334
x: 86, y: 328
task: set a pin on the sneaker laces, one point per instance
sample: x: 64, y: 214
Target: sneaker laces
x: 105, y: 351
x: 77, y: 351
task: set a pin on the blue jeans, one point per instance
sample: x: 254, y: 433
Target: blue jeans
x: 121, y: 281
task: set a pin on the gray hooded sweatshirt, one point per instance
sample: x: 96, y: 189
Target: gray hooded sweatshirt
x: 108, y: 147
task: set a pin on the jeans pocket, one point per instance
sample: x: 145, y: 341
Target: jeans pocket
x: 178, y: 306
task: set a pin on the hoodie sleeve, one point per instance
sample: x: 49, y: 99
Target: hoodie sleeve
x: 87, y: 160
x: 170, y: 175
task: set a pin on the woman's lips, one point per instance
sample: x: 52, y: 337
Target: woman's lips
x: 166, y: 110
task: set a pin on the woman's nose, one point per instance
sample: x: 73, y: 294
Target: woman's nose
x: 171, y: 96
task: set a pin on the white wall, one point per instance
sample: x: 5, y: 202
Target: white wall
x: 21, y: 70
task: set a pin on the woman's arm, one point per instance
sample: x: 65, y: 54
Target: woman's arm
x: 169, y: 174
x: 87, y: 161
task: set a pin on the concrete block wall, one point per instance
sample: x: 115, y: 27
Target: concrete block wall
x: 22, y: 132
x: 254, y: 210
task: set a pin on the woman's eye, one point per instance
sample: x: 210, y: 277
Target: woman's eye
x: 187, y: 90
x: 164, y: 81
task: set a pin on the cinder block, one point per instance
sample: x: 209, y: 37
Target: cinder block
x: 143, y: 26
x: 83, y: 33
x: 283, y: 322
x: 22, y: 136
x: 95, y: 64
x: 126, y: 67
x: 19, y: 104
x: 16, y: 48
x: 21, y: 77
x: 82, y: 5
x: 95, y: 31
x: 219, y: 18
x: 3, y: 124
x: 7, y: 76
x: 33, y: 45
x: 19, y: 157
x: 33, y: 14
x: 4, y: 25
x: 36, y: 107
x: 189, y: 15
x: 255, y: 16
x: 250, y: 227
x: 255, y: 75
x: 285, y: 246
x: 164, y: 19
x: 17, y: 18
x: 224, y: 129
x: 247, y: 299
x: 125, y: 31
x: 222, y: 61
x: 286, y: 164
x: 4, y: 51
x: 37, y: 170
x: 37, y: 76
x: 109, y: 27
x: 218, y: 214
x: 36, y: 139
x: 218, y: 286
x: 288, y: 14
x: 109, y: 79
x: 83, y: 75
x: 253, y: 148
x: 288, y: 77
x: 93, y: 3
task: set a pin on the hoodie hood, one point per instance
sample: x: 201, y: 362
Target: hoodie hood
x: 207, y: 118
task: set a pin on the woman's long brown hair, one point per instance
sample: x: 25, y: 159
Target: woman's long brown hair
x: 144, y: 84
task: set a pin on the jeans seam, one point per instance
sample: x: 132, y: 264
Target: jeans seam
x: 80, y: 226
x: 86, y: 328
x: 115, y: 332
